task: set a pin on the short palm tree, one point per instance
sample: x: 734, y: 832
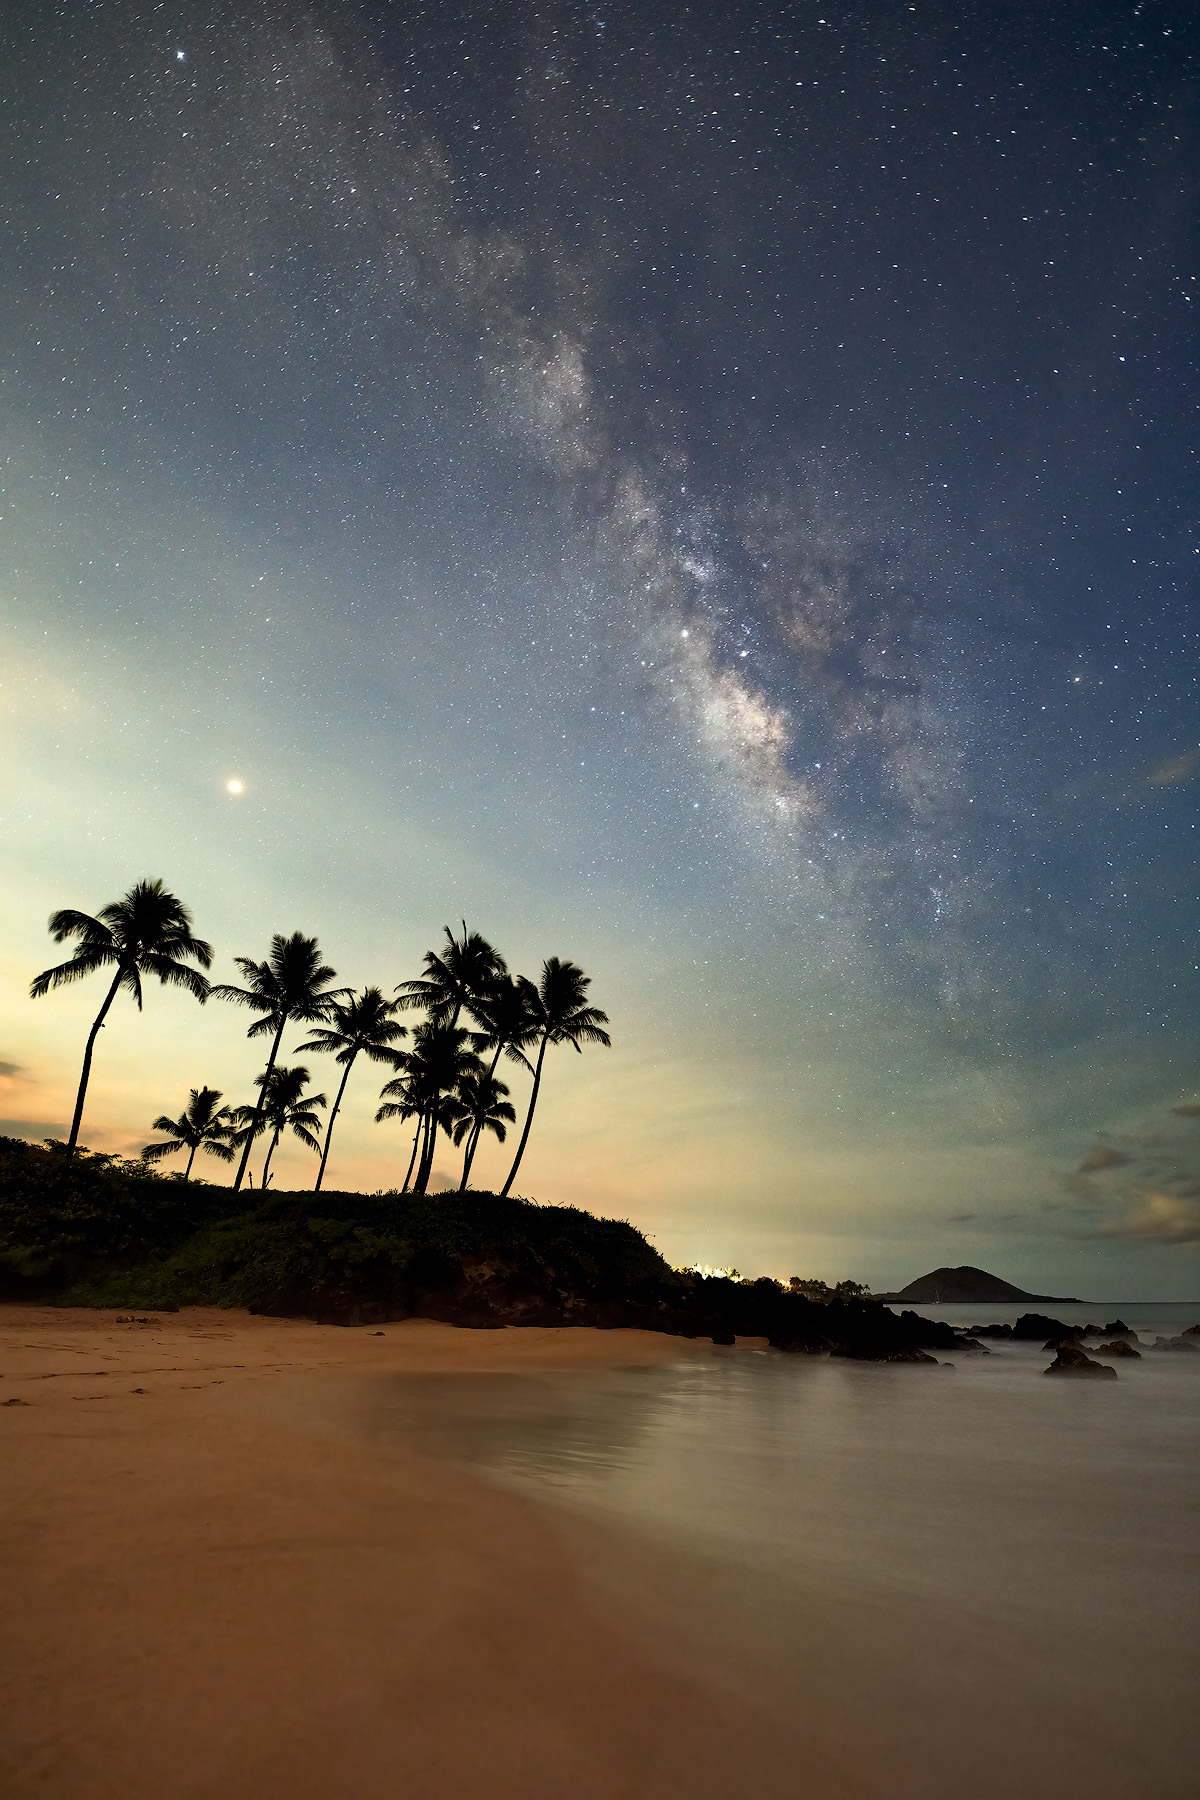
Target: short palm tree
x: 508, y: 1017
x: 457, y: 978
x: 402, y: 1100
x: 440, y: 1059
x: 478, y: 1105
x: 293, y: 983
x: 282, y: 1106
x: 564, y: 1017
x: 148, y: 931
x: 202, y: 1125
x: 363, y: 1022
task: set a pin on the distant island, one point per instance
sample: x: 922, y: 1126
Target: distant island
x: 966, y: 1286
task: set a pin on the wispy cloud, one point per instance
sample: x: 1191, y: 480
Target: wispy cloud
x: 1144, y: 1183
x: 1104, y: 1156
x: 1158, y: 1219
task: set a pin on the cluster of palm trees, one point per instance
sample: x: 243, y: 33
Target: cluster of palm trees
x: 444, y: 1078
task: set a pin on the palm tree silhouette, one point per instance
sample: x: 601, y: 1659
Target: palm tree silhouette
x: 458, y: 978
x: 148, y: 931
x: 282, y: 1106
x: 440, y: 1059
x: 405, y: 1103
x: 293, y: 983
x: 202, y: 1125
x: 564, y: 1017
x: 363, y: 1022
x: 508, y: 1016
x: 478, y: 1105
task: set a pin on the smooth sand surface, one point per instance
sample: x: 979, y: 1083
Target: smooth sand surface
x: 209, y: 1594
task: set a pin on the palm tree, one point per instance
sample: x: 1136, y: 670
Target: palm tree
x: 148, y: 931
x: 478, y: 1106
x: 564, y: 1017
x: 440, y: 1059
x: 202, y: 1125
x: 459, y: 977
x: 363, y: 1022
x: 293, y: 983
x: 282, y: 1106
x: 508, y: 1014
x: 405, y: 1103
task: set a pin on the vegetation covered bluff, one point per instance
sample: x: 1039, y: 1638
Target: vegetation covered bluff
x: 100, y: 1232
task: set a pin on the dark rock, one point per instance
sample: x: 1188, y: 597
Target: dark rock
x: 1118, y: 1328
x: 724, y: 1337
x: 1177, y: 1343
x: 991, y: 1331
x: 1191, y: 1331
x: 971, y: 1343
x: 1071, y: 1360
x: 1037, y: 1325
x: 1118, y: 1347
x: 800, y: 1346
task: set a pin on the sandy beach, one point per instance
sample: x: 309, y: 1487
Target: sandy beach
x: 208, y: 1593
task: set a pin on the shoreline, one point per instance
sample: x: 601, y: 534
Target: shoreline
x: 204, y: 1602
x: 233, y: 1568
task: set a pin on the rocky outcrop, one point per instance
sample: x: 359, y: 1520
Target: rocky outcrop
x: 1071, y: 1360
x: 1118, y: 1347
x: 1185, y: 1341
x: 966, y: 1286
x: 490, y: 1290
x: 1031, y: 1326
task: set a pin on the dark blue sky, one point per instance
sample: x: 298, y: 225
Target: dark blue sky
x: 711, y: 492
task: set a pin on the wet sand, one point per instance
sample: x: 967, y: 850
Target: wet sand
x: 236, y: 1561
x: 207, y: 1593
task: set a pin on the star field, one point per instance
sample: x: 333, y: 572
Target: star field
x: 708, y: 493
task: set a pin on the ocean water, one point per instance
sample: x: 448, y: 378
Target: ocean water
x: 990, y: 1578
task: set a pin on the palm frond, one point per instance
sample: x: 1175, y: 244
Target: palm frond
x: 85, y: 962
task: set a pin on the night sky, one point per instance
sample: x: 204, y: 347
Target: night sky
x: 706, y: 491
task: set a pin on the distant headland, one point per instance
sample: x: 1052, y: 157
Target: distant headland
x: 966, y: 1286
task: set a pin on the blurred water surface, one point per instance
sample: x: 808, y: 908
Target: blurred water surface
x: 1018, y: 1554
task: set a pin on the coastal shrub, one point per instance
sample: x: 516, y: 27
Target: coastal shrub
x: 61, y: 1220
x: 116, y: 1234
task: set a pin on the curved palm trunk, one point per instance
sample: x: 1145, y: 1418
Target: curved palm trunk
x: 270, y: 1153
x: 191, y: 1159
x: 329, y: 1128
x: 537, y: 1082
x: 252, y: 1129
x: 412, y: 1159
x: 87, y: 1063
x: 477, y: 1128
x: 425, y: 1166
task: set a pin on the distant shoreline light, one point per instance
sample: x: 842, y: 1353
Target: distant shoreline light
x: 234, y: 786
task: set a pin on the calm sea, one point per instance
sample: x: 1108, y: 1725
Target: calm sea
x: 990, y: 1578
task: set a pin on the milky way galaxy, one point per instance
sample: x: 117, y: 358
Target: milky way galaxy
x: 707, y: 493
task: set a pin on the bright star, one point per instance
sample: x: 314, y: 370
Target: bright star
x: 234, y: 786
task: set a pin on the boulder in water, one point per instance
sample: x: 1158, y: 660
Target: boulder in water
x: 1037, y: 1325
x: 1118, y: 1347
x: 1071, y: 1360
x: 1183, y: 1342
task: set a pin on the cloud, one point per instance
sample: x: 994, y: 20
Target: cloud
x: 33, y: 1129
x: 1172, y: 1219
x: 7, y: 1068
x: 1180, y: 768
x: 1190, y: 1111
x: 1103, y: 1157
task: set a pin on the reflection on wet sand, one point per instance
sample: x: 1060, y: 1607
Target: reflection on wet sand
x: 989, y: 1582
